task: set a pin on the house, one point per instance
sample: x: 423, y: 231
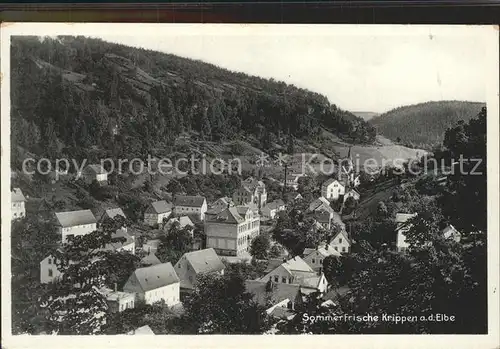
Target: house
x: 75, y: 223
x: 127, y: 242
x: 48, y: 270
x: 332, y: 189
x: 231, y: 231
x: 95, y: 173
x: 150, y: 246
x: 401, y: 228
x: 156, y: 212
x: 290, y: 197
x: 190, y: 205
x: 38, y: 207
x: 352, y: 193
x: 252, y: 191
x: 296, y: 271
x: 316, y: 257
x: 221, y: 204
x: 112, y: 213
x: 322, y: 205
x: 150, y: 259
x: 155, y: 283
x: 144, y: 330
x: 341, y: 242
x: 184, y: 221
x: 118, y: 301
x: 280, y: 300
x: 192, y: 264
x: 323, y: 218
x: 270, y: 210
x: 451, y: 233
x: 18, y: 200
x: 292, y: 180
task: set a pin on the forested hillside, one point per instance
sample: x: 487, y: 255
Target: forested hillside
x: 423, y: 125
x: 76, y: 95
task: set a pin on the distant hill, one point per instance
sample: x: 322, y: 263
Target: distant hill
x: 423, y: 125
x: 77, y: 96
x: 365, y: 115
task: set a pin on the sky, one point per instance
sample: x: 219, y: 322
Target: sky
x: 358, y: 70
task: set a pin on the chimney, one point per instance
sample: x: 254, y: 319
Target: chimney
x: 116, y: 287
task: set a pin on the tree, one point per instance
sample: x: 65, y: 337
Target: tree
x: 75, y: 304
x: 210, y: 310
x: 260, y: 246
x: 175, y: 243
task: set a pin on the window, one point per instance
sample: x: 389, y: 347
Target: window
x: 313, y: 261
x: 187, y: 266
x: 276, y: 278
x: 283, y: 280
x: 50, y: 272
x: 50, y: 261
x: 343, y: 249
x: 336, y: 248
x: 179, y: 266
x: 340, y: 240
x: 320, y: 261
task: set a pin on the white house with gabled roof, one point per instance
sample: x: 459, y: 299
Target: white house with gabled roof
x: 192, y: 264
x: 75, y: 223
x: 155, y: 283
x: 17, y: 204
x: 156, y: 212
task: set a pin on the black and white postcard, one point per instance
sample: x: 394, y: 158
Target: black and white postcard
x: 265, y: 180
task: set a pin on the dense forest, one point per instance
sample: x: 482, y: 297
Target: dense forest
x: 75, y: 95
x: 423, y: 125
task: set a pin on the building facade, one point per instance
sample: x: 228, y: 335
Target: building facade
x: 155, y: 283
x: 231, y: 231
x: 75, y: 223
x: 156, y: 212
x: 252, y: 191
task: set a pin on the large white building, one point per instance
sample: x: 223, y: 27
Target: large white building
x: 18, y: 200
x: 231, y: 231
x: 154, y: 284
x: 75, y: 223
x: 190, y: 205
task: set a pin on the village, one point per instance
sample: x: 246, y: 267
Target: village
x: 230, y: 226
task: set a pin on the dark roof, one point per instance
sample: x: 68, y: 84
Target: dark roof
x: 204, y: 261
x: 73, y: 218
x: 191, y: 201
x: 278, y: 292
x: 159, y: 207
x: 156, y: 276
x: 229, y: 215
